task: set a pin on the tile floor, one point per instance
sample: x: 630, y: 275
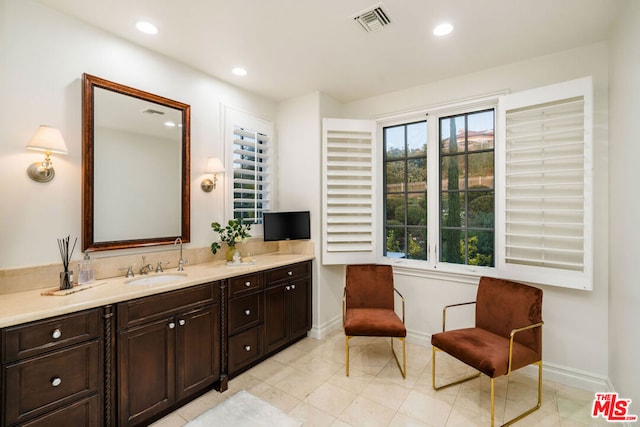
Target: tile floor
x: 307, y: 381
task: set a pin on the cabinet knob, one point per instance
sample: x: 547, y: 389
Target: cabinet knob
x: 290, y: 273
x: 181, y: 322
x: 247, y: 312
x: 293, y: 286
x: 172, y: 325
x: 57, y: 333
x: 288, y: 288
x: 247, y: 284
x: 56, y: 381
x: 247, y: 348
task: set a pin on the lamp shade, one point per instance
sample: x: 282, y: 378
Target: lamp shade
x: 48, y: 138
x: 214, y: 165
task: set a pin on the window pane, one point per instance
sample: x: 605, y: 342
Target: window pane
x: 480, y: 248
x: 417, y: 139
x: 417, y: 209
x: 452, y: 210
x: 453, y: 169
x: 395, y: 176
x: 480, y: 134
x: 481, y: 208
x: 395, y: 209
x: 481, y: 170
x: 452, y: 246
x: 394, y: 142
x: 455, y: 126
x: 417, y: 175
x: 417, y: 243
x: 395, y: 242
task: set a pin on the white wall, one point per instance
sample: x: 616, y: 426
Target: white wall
x: 624, y: 206
x: 44, y: 55
x: 575, y: 331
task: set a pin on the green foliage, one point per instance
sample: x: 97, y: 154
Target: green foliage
x: 235, y: 231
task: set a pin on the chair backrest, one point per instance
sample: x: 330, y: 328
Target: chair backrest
x: 503, y: 305
x: 369, y: 286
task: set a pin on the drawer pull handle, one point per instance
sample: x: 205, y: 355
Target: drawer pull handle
x: 290, y: 273
x: 182, y: 322
x: 247, y: 312
x: 56, y: 334
x: 56, y: 381
x: 247, y: 284
x: 247, y: 348
x: 172, y: 325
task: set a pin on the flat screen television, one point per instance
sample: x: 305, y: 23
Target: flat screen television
x: 286, y: 225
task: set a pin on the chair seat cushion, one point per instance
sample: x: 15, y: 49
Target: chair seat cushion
x: 484, y: 350
x: 374, y: 322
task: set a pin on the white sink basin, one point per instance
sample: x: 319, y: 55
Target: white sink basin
x: 157, y: 279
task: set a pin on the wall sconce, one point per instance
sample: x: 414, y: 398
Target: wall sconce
x: 214, y: 166
x: 49, y: 140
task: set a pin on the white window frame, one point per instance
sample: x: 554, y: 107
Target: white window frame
x: 500, y: 102
x: 234, y: 118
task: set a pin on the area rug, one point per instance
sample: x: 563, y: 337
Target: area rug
x: 244, y: 410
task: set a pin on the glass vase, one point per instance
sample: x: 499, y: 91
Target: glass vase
x: 229, y: 254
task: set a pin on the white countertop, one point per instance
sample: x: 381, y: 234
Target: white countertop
x: 22, y: 307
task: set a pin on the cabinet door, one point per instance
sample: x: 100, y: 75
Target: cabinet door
x: 146, y: 370
x: 299, y: 296
x: 198, y: 349
x: 276, y: 317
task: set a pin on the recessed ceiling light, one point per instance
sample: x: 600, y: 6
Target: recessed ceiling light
x: 146, y: 27
x: 443, y: 29
x: 239, y: 71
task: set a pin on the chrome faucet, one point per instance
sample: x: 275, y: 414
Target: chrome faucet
x: 181, y: 261
x: 146, y: 268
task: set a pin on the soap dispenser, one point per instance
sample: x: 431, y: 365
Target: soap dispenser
x: 85, y: 270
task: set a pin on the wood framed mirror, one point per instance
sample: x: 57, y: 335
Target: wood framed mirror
x: 135, y: 167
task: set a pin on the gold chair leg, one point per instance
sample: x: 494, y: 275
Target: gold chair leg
x: 535, y: 408
x: 433, y: 372
x: 347, y: 350
x: 403, y: 368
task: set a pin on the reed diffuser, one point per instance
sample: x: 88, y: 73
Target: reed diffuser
x: 66, y: 276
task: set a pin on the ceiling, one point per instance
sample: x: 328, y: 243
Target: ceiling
x: 294, y: 47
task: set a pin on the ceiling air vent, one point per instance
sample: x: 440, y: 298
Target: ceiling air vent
x: 373, y: 20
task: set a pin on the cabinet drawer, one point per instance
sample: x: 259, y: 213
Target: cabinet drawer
x: 245, y: 312
x: 85, y: 413
x: 38, y: 337
x: 42, y: 383
x: 244, y: 348
x: 288, y: 272
x: 244, y: 284
x: 146, y: 309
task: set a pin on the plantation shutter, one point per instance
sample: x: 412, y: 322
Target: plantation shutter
x: 250, y: 174
x: 248, y: 147
x: 348, y: 191
x: 545, y: 207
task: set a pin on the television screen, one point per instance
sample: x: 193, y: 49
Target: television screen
x: 286, y: 225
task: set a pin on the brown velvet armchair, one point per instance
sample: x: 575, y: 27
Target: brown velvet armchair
x: 507, y: 335
x: 368, y: 308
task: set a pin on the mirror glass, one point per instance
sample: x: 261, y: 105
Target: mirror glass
x: 135, y: 167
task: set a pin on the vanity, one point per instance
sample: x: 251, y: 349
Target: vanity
x: 125, y: 354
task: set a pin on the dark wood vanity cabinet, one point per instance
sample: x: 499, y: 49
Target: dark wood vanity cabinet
x: 52, y: 371
x: 287, y: 305
x: 245, y: 321
x: 168, y: 350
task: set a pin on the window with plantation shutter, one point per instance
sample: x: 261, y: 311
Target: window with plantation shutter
x: 249, y: 152
x: 250, y: 174
x: 348, y: 191
x: 545, y: 207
